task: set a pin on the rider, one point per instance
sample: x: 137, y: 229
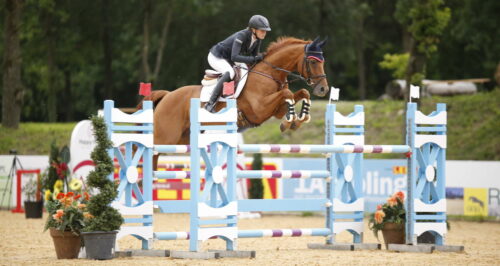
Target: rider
x: 243, y: 46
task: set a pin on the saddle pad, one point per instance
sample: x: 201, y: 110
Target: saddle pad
x: 208, y: 87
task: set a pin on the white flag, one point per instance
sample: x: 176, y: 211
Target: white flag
x: 334, y: 94
x: 414, y: 91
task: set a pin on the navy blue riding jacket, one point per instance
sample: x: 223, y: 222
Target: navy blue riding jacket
x: 236, y: 48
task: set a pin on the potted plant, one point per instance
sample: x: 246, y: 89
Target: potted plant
x: 103, y: 221
x: 390, y: 218
x: 65, y: 203
x: 33, y: 205
x: 65, y: 221
x: 57, y: 172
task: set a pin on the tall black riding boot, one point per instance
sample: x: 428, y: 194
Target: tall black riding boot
x: 210, y: 106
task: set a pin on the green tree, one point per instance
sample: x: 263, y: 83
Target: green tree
x: 397, y: 63
x: 425, y: 22
x: 469, y: 47
x: 256, y: 190
x: 103, y: 216
x: 13, y: 88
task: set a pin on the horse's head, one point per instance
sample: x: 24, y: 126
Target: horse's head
x: 313, y: 67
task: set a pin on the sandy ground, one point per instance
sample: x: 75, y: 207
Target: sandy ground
x: 23, y: 242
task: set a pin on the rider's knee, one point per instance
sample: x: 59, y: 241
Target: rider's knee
x: 231, y: 73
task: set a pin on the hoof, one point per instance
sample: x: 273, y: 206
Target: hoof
x: 305, y: 119
x: 282, y: 127
x: 285, y: 125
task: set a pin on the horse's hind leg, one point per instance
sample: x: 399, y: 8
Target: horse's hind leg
x: 155, y: 162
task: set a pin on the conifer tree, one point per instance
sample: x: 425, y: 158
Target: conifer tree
x: 256, y: 188
x: 102, y: 216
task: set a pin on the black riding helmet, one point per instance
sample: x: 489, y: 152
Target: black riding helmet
x: 259, y: 22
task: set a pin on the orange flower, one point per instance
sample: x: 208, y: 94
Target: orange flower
x: 60, y: 196
x: 77, y: 196
x: 70, y: 194
x: 66, y: 201
x: 81, y: 206
x: 400, y: 195
x: 87, y: 196
x: 379, y: 207
x: 392, y: 201
x: 379, y: 216
x: 58, y: 215
x: 88, y: 215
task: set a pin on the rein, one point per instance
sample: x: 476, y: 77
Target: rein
x: 305, y: 63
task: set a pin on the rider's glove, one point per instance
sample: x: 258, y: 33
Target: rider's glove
x: 258, y: 58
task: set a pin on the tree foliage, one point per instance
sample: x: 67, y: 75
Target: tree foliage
x: 397, y: 63
x: 75, y: 54
x: 256, y: 190
x: 102, y: 217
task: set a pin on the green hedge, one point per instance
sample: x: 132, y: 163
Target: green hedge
x: 473, y: 128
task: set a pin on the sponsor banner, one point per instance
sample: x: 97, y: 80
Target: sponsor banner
x: 475, y: 201
x: 494, y: 202
x: 81, y: 146
x: 382, y: 178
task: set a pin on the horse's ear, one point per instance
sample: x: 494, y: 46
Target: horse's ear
x: 323, y: 42
x: 315, y: 40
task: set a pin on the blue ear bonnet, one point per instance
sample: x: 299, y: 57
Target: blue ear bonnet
x: 314, y: 49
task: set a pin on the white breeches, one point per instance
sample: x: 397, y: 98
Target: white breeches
x: 220, y: 65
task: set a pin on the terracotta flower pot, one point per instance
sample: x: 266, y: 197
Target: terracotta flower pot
x: 393, y: 234
x: 66, y: 243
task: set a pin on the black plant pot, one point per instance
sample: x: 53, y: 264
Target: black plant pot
x: 33, y: 209
x: 99, y: 245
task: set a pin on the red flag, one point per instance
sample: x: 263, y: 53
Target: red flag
x: 145, y: 89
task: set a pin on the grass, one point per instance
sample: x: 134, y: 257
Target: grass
x: 473, y: 125
x: 473, y: 128
x: 34, y: 138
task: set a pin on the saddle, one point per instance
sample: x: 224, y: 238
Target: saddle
x: 211, y: 77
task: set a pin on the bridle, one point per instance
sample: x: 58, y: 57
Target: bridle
x: 308, y: 55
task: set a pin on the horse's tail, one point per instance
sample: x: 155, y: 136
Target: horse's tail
x: 155, y: 96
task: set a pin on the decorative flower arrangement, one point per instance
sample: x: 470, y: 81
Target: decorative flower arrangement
x: 65, y: 201
x: 68, y: 212
x: 393, y: 211
x: 55, y: 177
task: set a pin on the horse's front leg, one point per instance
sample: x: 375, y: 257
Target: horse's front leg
x: 273, y: 103
x: 304, y: 115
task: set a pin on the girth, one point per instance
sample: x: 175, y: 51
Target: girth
x: 243, y: 123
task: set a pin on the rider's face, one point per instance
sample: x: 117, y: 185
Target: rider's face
x: 261, y: 34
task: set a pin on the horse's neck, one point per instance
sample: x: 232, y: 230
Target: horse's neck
x: 287, y: 58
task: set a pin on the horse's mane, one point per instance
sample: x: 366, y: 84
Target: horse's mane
x: 282, y: 42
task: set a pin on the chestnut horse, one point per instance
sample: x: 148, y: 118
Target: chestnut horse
x: 265, y: 94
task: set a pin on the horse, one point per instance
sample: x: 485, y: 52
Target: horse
x: 265, y: 94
